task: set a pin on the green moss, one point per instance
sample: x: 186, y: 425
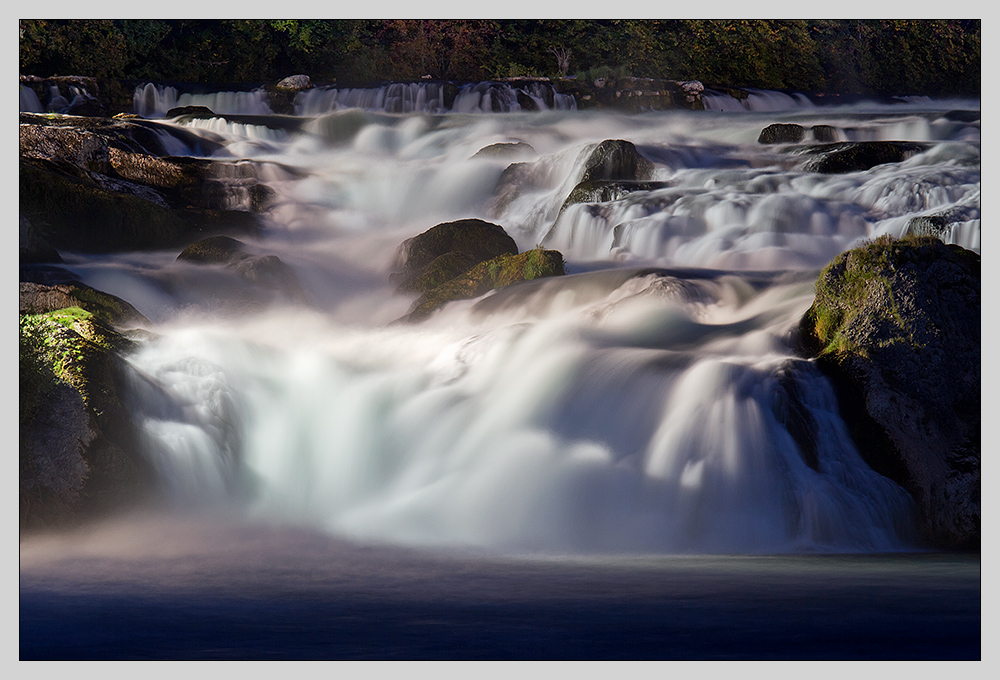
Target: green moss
x: 485, y: 276
x: 851, y: 287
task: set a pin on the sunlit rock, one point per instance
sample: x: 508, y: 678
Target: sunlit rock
x: 896, y: 325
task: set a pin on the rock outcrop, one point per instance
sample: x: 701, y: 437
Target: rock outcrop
x: 896, y: 326
x: 843, y: 157
x: 78, y: 447
x: 104, y: 185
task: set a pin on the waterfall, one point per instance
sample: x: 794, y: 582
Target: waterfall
x: 153, y: 101
x: 649, y: 401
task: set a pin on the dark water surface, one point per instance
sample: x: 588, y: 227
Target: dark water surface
x: 154, y: 588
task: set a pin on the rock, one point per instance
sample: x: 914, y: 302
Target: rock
x: 782, y: 133
x: 103, y: 185
x: 78, y: 214
x: 603, y: 191
x: 295, y: 83
x: 472, y: 240
x: 78, y: 449
x: 505, y: 150
x: 266, y: 271
x: 615, y: 159
x: 843, y: 157
x: 37, y: 298
x: 192, y: 111
x: 32, y: 247
x: 824, y: 133
x: 939, y: 224
x: 896, y: 326
x: 486, y: 276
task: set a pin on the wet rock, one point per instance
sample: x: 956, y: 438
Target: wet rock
x: 265, y: 271
x: 615, y: 159
x: 824, y: 133
x: 896, y: 326
x: 469, y: 240
x: 782, y: 133
x: 489, y: 275
x: 603, y: 191
x: 843, y: 157
x: 505, y: 150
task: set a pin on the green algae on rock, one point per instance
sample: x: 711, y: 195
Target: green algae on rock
x: 896, y: 326
x: 486, y: 276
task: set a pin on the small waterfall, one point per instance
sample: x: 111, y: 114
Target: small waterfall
x: 29, y: 100
x: 484, y: 97
x: 756, y: 100
x: 392, y: 98
x: 153, y: 101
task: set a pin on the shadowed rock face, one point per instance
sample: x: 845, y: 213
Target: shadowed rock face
x: 104, y: 185
x: 896, y: 326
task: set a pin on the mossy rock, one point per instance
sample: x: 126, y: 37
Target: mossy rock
x: 470, y: 240
x: 214, y: 250
x: 782, y: 133
x: 896, y: 326
x: 844, y: 157
x: 35, y: 298
x: 486, y: 276
x: 78, y: 450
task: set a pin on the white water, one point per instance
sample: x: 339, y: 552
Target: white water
x: 606, y: 411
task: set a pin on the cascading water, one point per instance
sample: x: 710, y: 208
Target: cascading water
x: 650, y: 401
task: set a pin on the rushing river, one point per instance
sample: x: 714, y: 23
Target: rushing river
x: 585, y: 441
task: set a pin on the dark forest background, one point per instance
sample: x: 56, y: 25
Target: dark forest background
x: 895, y: 57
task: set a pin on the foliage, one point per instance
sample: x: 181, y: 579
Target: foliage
x: 933, y: 57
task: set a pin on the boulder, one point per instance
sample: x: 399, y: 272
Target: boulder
x: 782, y: 133
x: 615, y: 159
x: 843, y: 157
x: 103, y: 185
x: 896, y: 326
x: 486, y: 276
x: 78, y: 448
x: 603, y: 191
x: 265, y: 271
x: 35, y: 298
x: 469, y: 241
x: 295, y: 83
x: 824, y: 133
x: 504, y: 150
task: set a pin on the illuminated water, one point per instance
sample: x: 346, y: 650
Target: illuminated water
x: 589, y: 439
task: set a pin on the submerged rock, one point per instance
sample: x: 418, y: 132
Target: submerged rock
x: 464, y: 243
x: 266, y: 271
x: 505, y: 150
x: 896, y: 326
